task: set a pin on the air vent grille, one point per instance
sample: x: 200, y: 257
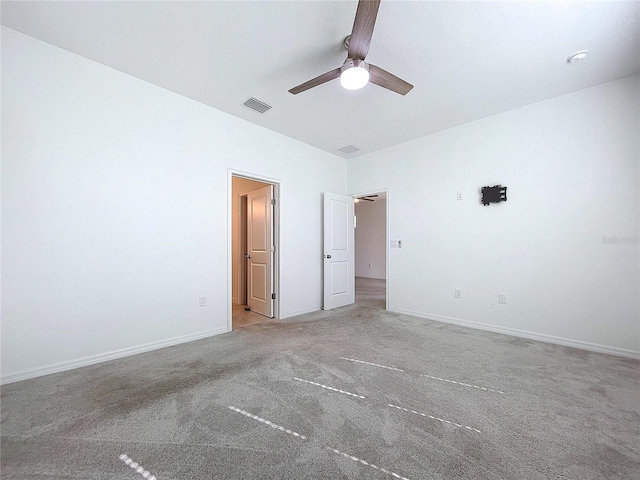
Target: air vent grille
x: 257, y: 105
x: 349, y: 149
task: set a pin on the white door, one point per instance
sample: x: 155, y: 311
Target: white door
x: 339, y: 258
x: 260, y: 251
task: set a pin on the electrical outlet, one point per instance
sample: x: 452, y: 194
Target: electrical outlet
x: 502, y: 298
x: 459, y: 195
x: 203, y: 300
x: 458, y: 293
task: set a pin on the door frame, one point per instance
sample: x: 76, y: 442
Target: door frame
x: 387, y: 241
x: 242, y: 261
x: 277, y: 187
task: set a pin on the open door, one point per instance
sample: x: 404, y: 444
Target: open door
x: 260, y: 251
x: 339, y: 258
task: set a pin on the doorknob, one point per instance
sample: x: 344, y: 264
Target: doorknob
x: 327, y: 256
x: 246, y: 255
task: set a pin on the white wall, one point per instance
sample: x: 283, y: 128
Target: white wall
x: 571, y: 165
x: 240, y: 186
x: 114, y: 211
x: 371, y: 239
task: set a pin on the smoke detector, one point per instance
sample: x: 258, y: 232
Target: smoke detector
x: 576, y: 57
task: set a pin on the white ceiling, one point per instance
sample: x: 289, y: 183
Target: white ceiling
x: 467, y: 60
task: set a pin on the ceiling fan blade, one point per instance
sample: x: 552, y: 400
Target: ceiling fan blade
x: 388, y: 80
x: 363, y: 28
x: 314, y: 82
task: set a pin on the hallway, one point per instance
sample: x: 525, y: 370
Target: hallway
x: 371, y: 292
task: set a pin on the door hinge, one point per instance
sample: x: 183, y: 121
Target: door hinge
x: 273, y: 201
x: 273, y: 296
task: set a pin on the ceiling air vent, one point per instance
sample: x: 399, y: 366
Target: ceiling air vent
x: 348, y: 149
x: 257, y: 105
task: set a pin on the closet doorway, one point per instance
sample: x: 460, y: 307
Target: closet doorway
x: 253, y: 252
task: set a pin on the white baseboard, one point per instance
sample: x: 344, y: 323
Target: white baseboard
x: 567, y: 342
x: 300, y: 312
x: 105, y: 357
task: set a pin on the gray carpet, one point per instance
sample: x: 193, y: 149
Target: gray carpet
x: 284, y: 399
x: 371, y: 292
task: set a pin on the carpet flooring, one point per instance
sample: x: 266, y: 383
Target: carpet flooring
x: 352, y: 393
x: 371, y: 292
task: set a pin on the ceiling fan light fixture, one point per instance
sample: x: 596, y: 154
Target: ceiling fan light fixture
x: 354, y: 74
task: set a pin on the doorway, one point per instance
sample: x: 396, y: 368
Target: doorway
x: 254, y: 259
x: 371, y: 249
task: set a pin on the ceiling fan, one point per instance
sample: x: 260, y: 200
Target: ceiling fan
x: 368, y: 198
x: 355, y: 73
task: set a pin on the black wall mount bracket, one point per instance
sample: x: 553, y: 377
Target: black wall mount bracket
x: 495, y: 194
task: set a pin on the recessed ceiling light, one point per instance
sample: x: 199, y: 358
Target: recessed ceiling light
x: 576, y: 57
